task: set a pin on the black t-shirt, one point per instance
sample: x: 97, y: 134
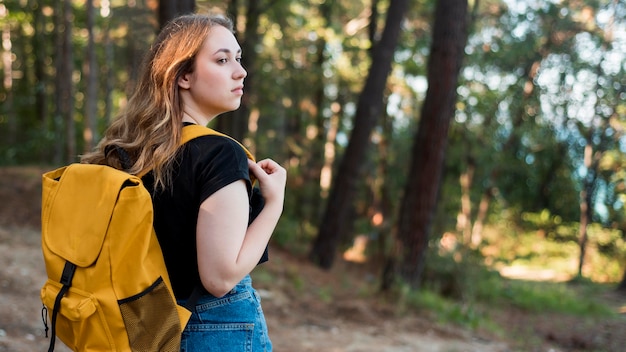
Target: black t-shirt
x: 203, y: 166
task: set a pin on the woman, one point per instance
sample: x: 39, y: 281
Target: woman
x: 202, y: 190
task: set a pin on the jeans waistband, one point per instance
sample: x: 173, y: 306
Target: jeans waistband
x: 242, y: 285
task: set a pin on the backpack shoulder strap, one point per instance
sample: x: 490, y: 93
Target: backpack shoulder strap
x: 194, y: 131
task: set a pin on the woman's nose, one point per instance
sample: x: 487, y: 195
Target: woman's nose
x: 241, y: 72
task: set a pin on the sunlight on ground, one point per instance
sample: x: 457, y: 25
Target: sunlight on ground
x: 521, y: 272
x: 357, y: 253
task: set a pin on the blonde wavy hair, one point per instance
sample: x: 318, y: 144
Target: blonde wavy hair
x: 147, y: 133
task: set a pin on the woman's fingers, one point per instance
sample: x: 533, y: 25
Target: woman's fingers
x: 266, y: 167
x: 271, y: 176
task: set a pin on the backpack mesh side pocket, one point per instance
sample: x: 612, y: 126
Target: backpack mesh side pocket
x: 151, y: 320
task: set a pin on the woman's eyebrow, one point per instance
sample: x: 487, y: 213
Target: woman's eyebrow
x: 226, y: 51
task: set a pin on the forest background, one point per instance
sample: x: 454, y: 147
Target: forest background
x: 441, y: 144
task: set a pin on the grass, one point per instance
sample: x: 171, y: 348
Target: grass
x: 466, y: 292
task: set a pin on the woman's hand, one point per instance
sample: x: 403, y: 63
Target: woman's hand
x: 272, y: 179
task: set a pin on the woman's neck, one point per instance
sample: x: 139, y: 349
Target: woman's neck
x: 195, y: 118
x: 188, y: 118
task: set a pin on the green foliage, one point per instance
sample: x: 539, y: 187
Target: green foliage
x: 325, y: 294
x: 293, y: 234
x: 609, y: 242
x: 554, y: 297
x: 543, y: 242
x: 478, y: 291
x: 551, y: 226
x: 446, y: 310
x: 454, y: 275
x: 31, y: 146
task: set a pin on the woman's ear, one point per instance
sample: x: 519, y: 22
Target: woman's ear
x: 184, y: 81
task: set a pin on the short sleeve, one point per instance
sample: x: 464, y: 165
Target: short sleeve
x: 217, y: 162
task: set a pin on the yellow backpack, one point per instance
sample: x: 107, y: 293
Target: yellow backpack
x: 107, y: 288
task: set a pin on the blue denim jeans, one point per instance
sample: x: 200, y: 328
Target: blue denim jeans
x: 232, y: 323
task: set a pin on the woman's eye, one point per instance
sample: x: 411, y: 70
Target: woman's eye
x: 238, y: 59
x: 222, y: 61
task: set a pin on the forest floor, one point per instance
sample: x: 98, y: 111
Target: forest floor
x: 307, y: 309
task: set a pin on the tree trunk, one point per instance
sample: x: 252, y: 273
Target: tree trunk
x: 65, y: 146
x: 336, y: 218
x: 7, y: 80
x: 109, y: 54
x: 585, y: 219
x: 622, y: 285
x: 594, y: 150
x: 68, y: 86
x: 330, y: 147
x: 481, y: 216
x: 372, y: 29
x: 170, y: 9
x: 421, y: 192
x: 591, y: 160
x: 40, y: 73
x: 90, y: 70
x: 464, y: 219
x: 315, y: 163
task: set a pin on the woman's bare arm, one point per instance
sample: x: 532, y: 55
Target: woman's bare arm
x: 228, y: 249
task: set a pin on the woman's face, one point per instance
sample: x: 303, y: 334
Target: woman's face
x: 216, y: 84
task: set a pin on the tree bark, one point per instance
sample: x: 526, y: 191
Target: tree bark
x: 336, y: 219
x: 622, y: 285
x: 169, y: 9
x: 315, y: 163
x: 65, y: 146
x: 40, y: 56
x: 90, y: 130
x: 109, y: 54
x: 481, y: 216
x: 464, y: 219
x: 585, y: 218
x: 429, y: 148
x: 591, y: 160
x: 7, y: 79
x: 68, y: 87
